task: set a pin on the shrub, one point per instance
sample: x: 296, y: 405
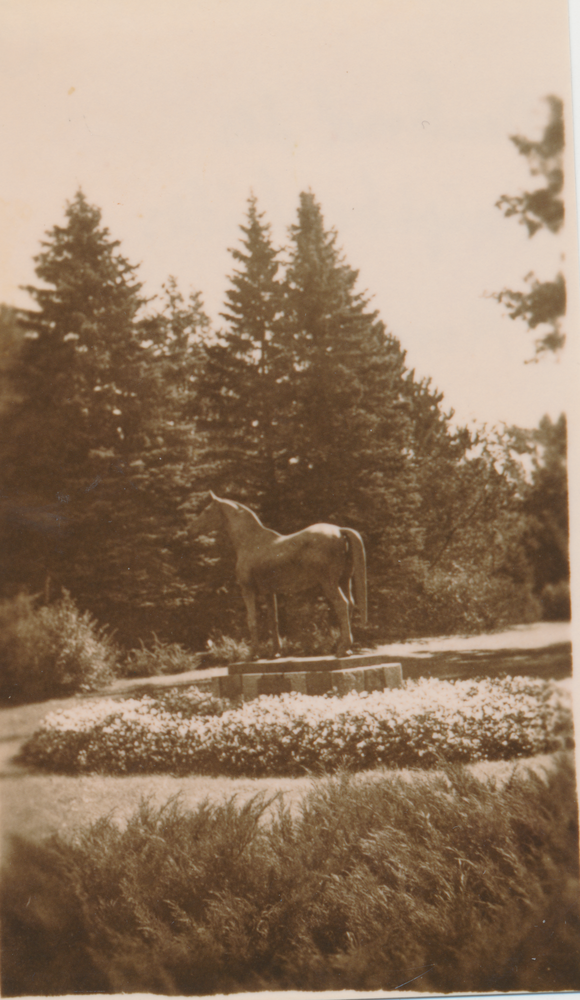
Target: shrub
x: 462, y: 600
x: 555, y: 598
x: 161, y: 658
x: 454, y: 884
x: 51, y: 650
x: 224, y: 649
x: 422, y: 724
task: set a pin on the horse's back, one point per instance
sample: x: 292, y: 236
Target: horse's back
x: 316, y: 530
x: 298, y: 561
x: 321, y: 539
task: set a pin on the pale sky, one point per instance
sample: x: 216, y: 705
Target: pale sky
x: 395, y: 112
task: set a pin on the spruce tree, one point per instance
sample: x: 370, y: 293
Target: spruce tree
x: 97, y: 444
x: 169, y: 589
x: 76, y: 382
x: 241, y: 388
x: 348, y: 416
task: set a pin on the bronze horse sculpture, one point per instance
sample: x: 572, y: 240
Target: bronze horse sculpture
x: 268, y: 564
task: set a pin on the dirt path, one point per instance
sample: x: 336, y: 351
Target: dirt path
x: 535, y: 636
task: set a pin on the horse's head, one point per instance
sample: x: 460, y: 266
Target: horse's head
x: 210, y: 519
x: 215, y: 516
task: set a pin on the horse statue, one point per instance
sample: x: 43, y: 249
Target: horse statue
x: 268, y: 564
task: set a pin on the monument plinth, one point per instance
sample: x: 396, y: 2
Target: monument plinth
x: 311, y: 675
x: 307, y: 664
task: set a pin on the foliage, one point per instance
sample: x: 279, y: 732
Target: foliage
x: 51, y: 650
x: 544, y: 303
x: 80, y: 363
x: 311, y: 416
x: 120, y: 414
x: 11, y: 337
x: 95, y: 445
x: 346, y: 459
x: 427, y: 722
x: 159, y: 658
x: 545, y: 509
x: 239, y: 388
x: 542, y: 208
x: 456, y: 884
x: 556, y: 602
x: 460, y: 599
x: 224, y: 650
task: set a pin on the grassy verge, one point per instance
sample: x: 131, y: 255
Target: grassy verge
x: 456, y: 884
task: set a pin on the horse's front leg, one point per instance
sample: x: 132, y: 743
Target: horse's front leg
x: 249, y: 597
x: 273, y: 623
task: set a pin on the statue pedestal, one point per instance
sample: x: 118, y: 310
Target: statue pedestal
x: 311, y: 675
x: 307, y: 664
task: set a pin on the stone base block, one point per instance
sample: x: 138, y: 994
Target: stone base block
x: 249, y: 686
x: 316, y: 664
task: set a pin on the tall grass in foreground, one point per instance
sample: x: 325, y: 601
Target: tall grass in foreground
x: 440, y: 881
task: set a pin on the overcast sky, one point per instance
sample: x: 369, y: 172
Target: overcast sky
x: 396, y: 113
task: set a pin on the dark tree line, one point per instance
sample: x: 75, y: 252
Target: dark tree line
x: 120, y: 414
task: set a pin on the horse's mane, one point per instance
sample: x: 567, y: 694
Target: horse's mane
x: 236, y: 505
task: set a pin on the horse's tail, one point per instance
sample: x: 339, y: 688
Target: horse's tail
x: 359, y: 564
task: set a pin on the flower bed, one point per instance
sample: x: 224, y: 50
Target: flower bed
x: 422, y: 724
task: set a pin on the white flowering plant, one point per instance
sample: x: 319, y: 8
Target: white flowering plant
x: 424, y: 723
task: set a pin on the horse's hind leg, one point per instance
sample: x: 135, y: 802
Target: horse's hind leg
x: 250, y: 602
x: 346, y: 587
x: 340, y: 603
x: 273, y: 623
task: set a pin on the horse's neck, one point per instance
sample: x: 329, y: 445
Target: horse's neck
x: 245, y: 528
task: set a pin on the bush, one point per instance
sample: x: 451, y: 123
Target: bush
x: 423, y: 724
x: 51, y: 650
x: 224, y: 649
x: 454, y: 884
x: 452, y: 601
x: 555, y: 598
x: 161, y: 658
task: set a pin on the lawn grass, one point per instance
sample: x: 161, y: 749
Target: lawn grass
x: 455, y: 883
